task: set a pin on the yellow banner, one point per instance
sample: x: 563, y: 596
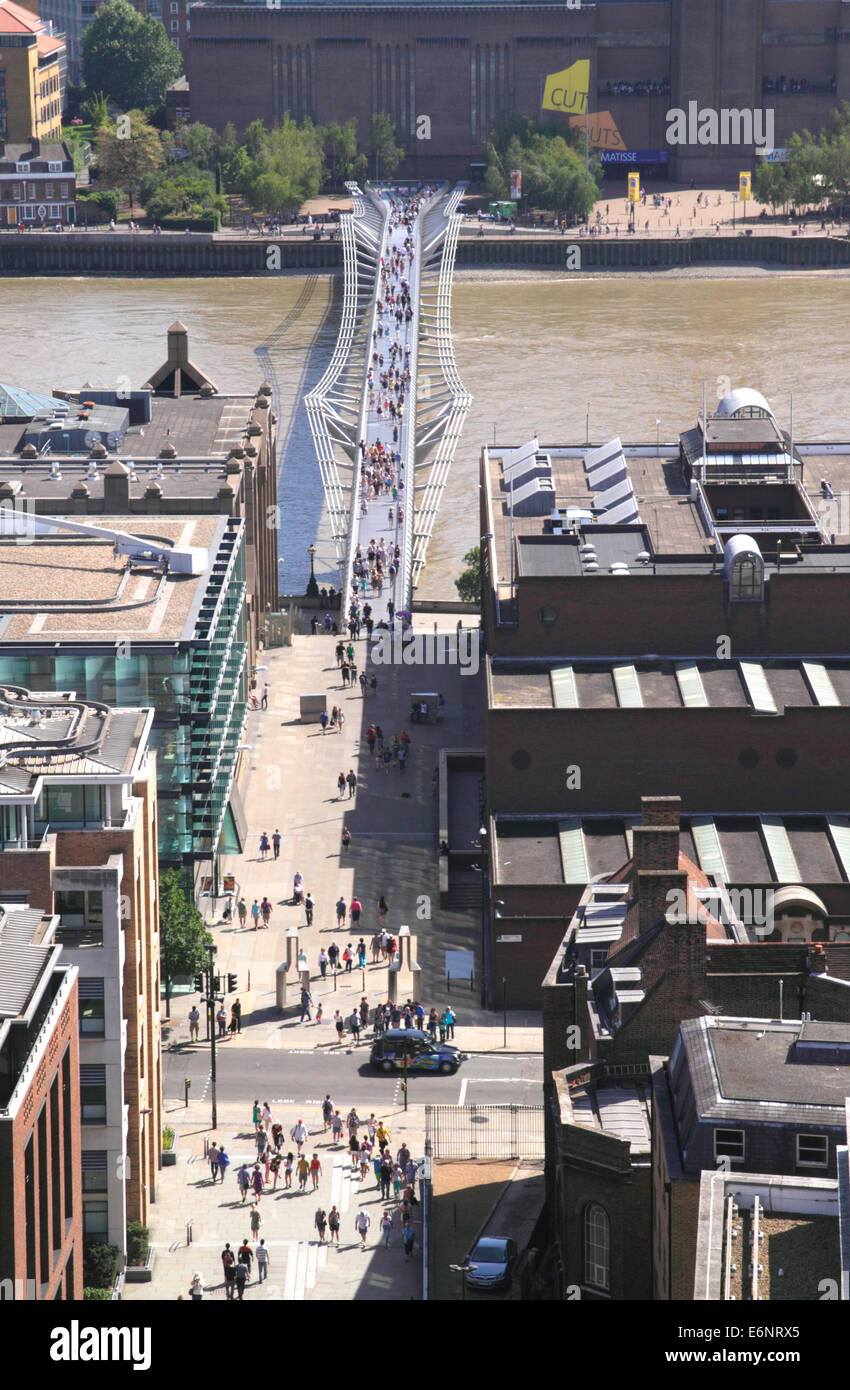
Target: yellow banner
x: 634, y: 188
x: 566, y: 91
x: 745, y: 186
x: 602, y: 130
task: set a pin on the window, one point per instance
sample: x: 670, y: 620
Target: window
x: 597, y: 1247
x: 175, y: 8
x: 32, y: 193
x: 94, y: 1170
x: 95, y: 1221
x: 93, y: 1094
x: 90, y: 993
x: 48, y: 190
x: 81, y: 917
x: 22, y: 168
x: 63, y: 190
x: 812, y: 1150
x: 175, y: 26
x: 598, y: 959
x: 16, y: 192
x: 729, y: 1143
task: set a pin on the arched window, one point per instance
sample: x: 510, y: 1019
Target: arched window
x: 747, y: 575
x: 597, y: 1246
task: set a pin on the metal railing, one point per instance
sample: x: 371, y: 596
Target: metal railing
x: 441, y: 422
x: 484, y: 1131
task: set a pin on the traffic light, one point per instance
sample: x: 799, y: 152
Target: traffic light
x: 232, y: 984
x: 199, y: 983
x: 217, y: 985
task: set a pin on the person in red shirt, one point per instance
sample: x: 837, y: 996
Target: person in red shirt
x: 315, y: 1170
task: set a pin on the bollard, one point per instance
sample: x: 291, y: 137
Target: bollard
x: 186, y: 1084
x: 189, y: 1231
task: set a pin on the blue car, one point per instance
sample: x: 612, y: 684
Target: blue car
x: 494, y: 1258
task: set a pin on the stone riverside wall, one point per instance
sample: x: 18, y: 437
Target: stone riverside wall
x: 200, y: 253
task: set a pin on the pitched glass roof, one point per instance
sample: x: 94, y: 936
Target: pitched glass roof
x: 16, y: 403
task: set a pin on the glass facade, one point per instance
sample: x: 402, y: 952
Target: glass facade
x: 199, y: 692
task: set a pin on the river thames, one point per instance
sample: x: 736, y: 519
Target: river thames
x: 566, y: 358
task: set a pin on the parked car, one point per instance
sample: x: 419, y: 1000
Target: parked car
x: 423, y: 1054
x: 495, y: 1257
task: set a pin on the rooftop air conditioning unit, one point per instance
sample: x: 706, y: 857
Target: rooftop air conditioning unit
x: 591, y: 568
x: 644, y: 557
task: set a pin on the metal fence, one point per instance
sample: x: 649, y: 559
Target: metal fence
x: 484, y: 1131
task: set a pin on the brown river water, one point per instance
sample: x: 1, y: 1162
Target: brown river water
x: 559, y: 356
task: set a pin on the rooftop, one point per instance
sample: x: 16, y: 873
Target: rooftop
x: 752, y: 1069
x: 762, y: 687
x: 621, y: 1110
x: 108, y: 597
x: 45, y: 735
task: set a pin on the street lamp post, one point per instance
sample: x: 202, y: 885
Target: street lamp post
x: 504, y: 1012
x: 312, y: 586
x: 463, y: 1270
x: 657, y: 438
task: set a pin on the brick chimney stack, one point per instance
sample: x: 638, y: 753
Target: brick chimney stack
x: 656, y: 840
x: 655, y: 888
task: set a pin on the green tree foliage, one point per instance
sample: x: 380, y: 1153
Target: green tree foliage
x: 804, y: 170
x: 385, y: 152
x: 770, y: 183
x: 186, y: 195
x: 125, y: 160
x: 469, y: 583
x: 552, y: 164
x: 100, y: 1263
x: 339, y: 149
x: 129, y: 56
x: 285, y: 167
x: 94, y: 110
x: 183, y: 935
x: 138, y: 1243
x: 835, y: 156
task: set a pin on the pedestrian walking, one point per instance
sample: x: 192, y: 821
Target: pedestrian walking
x: 242, y: 1276
x: 277, y: 1135
x: 354, y: 1025
x: 194, y: 1022
x: 362, y: 1222
x: 263, y: 1262
x: 327, y: 1114
x: 442, y: 1026
x: 364, y: 1015
x: 276, y: 844
x: 212, y: 1156
x: 223, y: 1162
x: 242, y: 909
x: 221, y: 1020
x: 245, y: 1255
x: 336, y: 1127
x: 361, y: 954
x: 299, y: 1134
x: 351, y: 779
x: 320, y: 1221
x: 346, y: 838
x: 354, y: 910
x: 306, y: 1001
x: 228, y: 1261
x: 339, y: 1024
x: 323, y: 963
x: 257, y: 1181
x: 315, y: 1170
x: 348, y: 958
x: 409, y: 1240
x: 341, y: 910
x: 309, y: 906
x: 450, y: 1022
x: 255, y: 913
x: 385, y: 1172
x: 261, y: 1141
x: 266, y: 1116
x: 243, y: 1178
x: 302, y: 1168
x: 386, y: 1226
x: 333, y: 1224
x: 288, y: 1164
x: 323, y: 720
x: 264, y: 845
x: 255, y: 1219
x: 265, y: 911
x: 376, y: 948
x: 275, y: 1169
x: 257, y: 1115
x: 340, y: 782
x: 383, y: 909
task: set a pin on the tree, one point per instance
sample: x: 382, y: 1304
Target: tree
x: 770, y: 184
x: 183, y: 936
x: 125, y: 159
x: 469, y: 584
x: 388, y: 155
x: 129, y: 56
x: 804, y: 170
x: 285, y: 164
x: 339, y: 148
x: 185, y: 195
x: 94, y: 110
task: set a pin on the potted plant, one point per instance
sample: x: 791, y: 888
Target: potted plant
x: 169, y: 1147
x: 140, y: 1255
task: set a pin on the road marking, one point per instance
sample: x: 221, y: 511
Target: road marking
x: 291, y: 1267
x: 463, y: 1086
x: 312, y: 1265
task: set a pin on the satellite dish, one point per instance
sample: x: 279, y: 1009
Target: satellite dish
x: 90, y: 438
x: 114, y: 439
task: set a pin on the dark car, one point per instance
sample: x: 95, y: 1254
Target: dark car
x: 422, y: 1053
x: 495, y: 1257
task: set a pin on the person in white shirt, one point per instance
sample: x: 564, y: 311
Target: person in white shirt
x: 362, y: 1222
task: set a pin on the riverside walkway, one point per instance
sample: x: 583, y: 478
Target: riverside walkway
x: 383, y: 457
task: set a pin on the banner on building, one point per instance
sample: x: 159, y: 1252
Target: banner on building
x: 566, y: 91
x: 634, y: 187
x: 745, y: 186
x: 516, y: 185
x: 602, y: 130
